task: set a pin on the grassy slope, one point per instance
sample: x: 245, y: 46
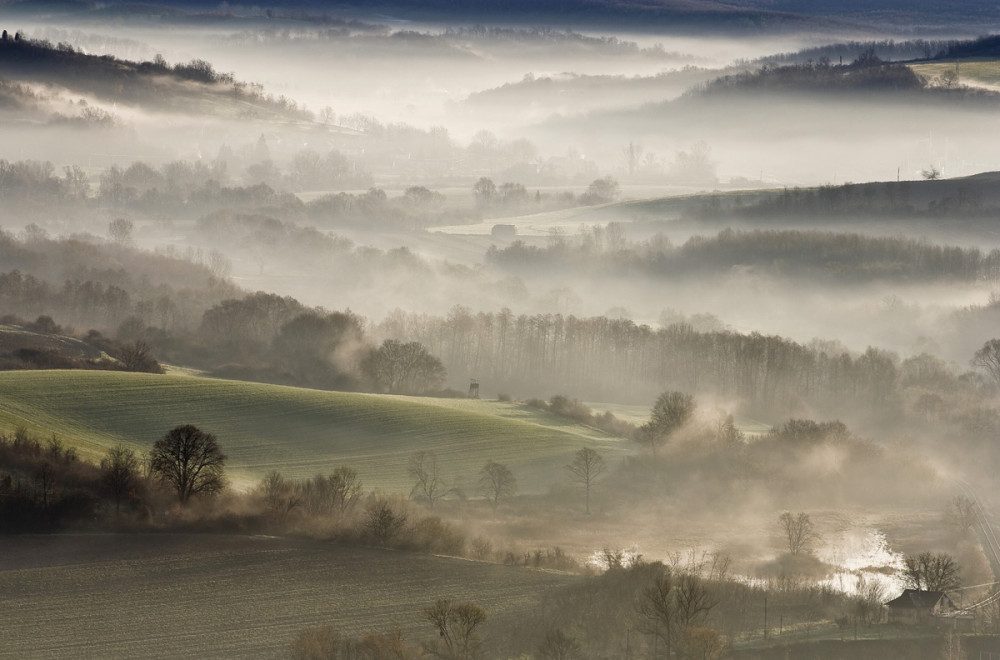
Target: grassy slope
x: 978, y: 72
x: 13, y: 338
x: 299, y: 432
x: 185, y: 596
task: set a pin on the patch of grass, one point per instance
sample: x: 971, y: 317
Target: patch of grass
x: 299, y: 432
x: 970, y: 72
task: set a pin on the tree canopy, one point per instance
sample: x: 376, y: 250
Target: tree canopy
x: 190, y: 461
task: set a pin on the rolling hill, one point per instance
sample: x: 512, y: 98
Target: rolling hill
x: 297, y: 431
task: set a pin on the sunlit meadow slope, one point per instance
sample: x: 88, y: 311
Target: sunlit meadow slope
x: 296, y: 431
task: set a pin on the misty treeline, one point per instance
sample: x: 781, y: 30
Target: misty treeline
x: 886, y: 50
x: 140, y: 83
x: 817, y: 255
x: 968, y: 198
x: 609, y: 359
x: 181, y: 189
x: 85, y: 282
x: 452, y: 40
x: 192, y: 316
x: 867, y: 73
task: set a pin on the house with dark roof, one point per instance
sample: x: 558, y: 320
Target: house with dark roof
x: 919, y: 607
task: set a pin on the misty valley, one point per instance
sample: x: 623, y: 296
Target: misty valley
x: 499, y: 330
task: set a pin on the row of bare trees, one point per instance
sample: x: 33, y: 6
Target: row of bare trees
x: 608, y: 358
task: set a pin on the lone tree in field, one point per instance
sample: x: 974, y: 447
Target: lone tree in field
x: 423, y: 469
x: 988, y: 358
x: 190, y: 461
x: 798, y: 530
x: 120, y: 473
x: 456, y: 627
x: 586, y: 468
x: 496, y: 483
x: 670, y: 412
x: 927, y: 572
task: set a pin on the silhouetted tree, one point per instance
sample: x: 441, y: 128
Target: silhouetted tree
x: 798, y: 531
x: 657, y: 609
x: 586, y: 468
x: 136, y: 356
x: 988, y: 358
x: 496, y: 483
x: 423, y: 469
x: 120, y: 473
x: 557, y: 645
x: 456, y: 626
x: 670, y: 412
x: 600, y: 191
x: 930, y: 572
x: 382, y: 522
x: 399, y: 368
x: 190, y: 461
x: 120, y: 231
x: 484, y: 191
x: 280, y: 496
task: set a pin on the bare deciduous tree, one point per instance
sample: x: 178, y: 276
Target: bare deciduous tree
x: 190, y: 461
x: 496, y: 483
x: 336, y: 493
x: 120, y: 231
x: 658, y: 609
x: 557, y: 645
x: 693, y: 599
x: 346, y: 487
x: 280, y: 496
x: 423, y: 469
x: 586, y: 468
x: 458, y: 638
x: 120, y: 473
x: 962, y: 513
x: 988, y: 358
x: 798, y: 530
x: 930, y: 572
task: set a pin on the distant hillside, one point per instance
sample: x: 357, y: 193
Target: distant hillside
x: 296, y: 431
x: 673, y: 14
x: 972, y: 197
x: 191, y: 88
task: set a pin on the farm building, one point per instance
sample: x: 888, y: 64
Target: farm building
x: 918, y: 607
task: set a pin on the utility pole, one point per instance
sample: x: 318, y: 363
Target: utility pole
x: 765, y: 615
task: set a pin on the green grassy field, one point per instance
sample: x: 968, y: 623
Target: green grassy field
x: 207, y: 596
x: 297, y: 431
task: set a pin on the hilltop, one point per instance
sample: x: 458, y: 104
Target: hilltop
x: 156, y: 86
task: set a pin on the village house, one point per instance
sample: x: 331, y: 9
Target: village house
x: 919, y: 607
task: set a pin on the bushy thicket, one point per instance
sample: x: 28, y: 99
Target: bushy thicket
x: 581, y: 412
